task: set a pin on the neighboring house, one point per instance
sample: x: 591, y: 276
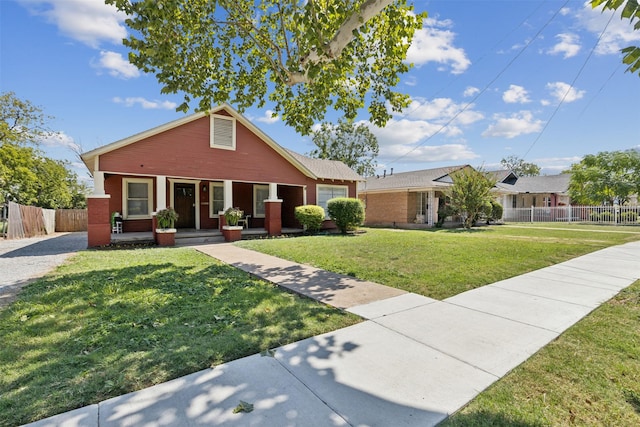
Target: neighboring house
x: 406, y: 199
x: 546, y: 191
x: 201, y: 165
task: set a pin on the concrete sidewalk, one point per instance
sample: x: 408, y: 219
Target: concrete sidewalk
x: 413, y: 361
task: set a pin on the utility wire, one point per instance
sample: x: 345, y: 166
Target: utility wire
x: 504, y: 69
x: 555, y: 111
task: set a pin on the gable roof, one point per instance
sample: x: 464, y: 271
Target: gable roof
x: 427, y: 178
x: 327, y: 169
x: 312, y: 168
x: 558, y: 184
x: 503, y: 176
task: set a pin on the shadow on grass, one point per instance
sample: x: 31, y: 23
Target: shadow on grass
x: 78, y: 339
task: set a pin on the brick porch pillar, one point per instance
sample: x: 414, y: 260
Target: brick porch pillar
x: 98, y: 221
x: 273, y: 217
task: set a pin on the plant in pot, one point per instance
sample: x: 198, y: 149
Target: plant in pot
x: 232, y: 232
x: 232, y: 216
x: 166, y: 218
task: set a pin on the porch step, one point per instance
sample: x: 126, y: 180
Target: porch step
x: 197, y: 240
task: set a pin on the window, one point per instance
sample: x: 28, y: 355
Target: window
x: 216, y: 198
x: 547, y: 202
x: 514, y: 201
x: 260, y: 194
x: 328, y: 192
x: 137, y: 198
x: 223, y: 132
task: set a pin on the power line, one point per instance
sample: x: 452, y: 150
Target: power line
x: 500, y: 73
x: 584, y: 64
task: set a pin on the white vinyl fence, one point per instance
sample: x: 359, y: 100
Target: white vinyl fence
x: 615, y: 215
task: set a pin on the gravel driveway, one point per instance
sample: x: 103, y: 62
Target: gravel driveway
x: 23, y: 260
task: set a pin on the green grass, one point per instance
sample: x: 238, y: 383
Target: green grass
x: 111, y: 322
x: 589, y: 376
x: 442, y: 263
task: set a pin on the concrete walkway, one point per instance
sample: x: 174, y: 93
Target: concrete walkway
x: 413, y: 362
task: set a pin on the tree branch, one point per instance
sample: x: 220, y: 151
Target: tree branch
x: 344, y: 35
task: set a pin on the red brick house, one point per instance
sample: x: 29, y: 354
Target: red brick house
x: 201, y: 165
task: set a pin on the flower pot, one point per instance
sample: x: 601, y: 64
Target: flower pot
x: 166, y: 236
x: 232, y: 233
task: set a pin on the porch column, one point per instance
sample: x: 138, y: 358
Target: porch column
x: 98, y: 183
x: 431, y: 200
x: 228, y: 194
x: 273, y: 212
x: 98, y: 220
x: 304, y: 195
x: 161, y: 192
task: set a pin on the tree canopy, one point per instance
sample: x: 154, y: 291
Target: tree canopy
x: 470, y: 194
x: 353, y: 144
x: 21, y: 122
x: 519, y: 166
x: 304, y: 56
x: 605, y: 178
x: 630, y: 11
x: 26, y: 175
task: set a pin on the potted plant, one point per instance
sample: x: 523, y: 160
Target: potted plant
x: 232, y: 231
x: 166, y: 233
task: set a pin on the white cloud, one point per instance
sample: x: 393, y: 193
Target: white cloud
x: 88, y: 21
x: 408, y: 131
x: 619, y: 33
x: 555, y: 165
x: 470, y: 91
x: 427, y: 153
x: 441, y: 111
x: 145, y: 103
x: 117, y: 65
x: 569, y: 45
x: 517, y: 124
x: 59, y: 139
x: 516, y: 95
x: 268, y: 117
x: 563, y: 92
x: 434, y: 43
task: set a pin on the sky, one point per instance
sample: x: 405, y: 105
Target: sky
x: 539, y: 80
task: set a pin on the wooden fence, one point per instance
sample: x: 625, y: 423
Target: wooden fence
x: 71, y: 220
x: 19, y: 221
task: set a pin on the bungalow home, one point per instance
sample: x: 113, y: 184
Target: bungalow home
x: 407, y: 199
x: 546, y: 191
x: 201, y: 165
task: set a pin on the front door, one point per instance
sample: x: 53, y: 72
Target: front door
x: 184, y: 198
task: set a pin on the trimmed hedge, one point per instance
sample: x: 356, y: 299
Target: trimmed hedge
x: 496, y: 211
x: 346, y: 212
x: 310, y: 216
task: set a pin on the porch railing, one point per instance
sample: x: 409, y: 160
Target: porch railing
x: 617, y: 215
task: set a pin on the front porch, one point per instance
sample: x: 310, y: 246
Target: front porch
x: 185, y: 237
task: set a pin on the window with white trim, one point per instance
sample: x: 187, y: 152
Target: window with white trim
x: 328, y: 192
x: 260, y: 194
x: 222, y: 132
x: 137, y: 198
x: 216, y: 198
x: 546, y: 202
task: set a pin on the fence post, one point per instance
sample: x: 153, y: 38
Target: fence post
x: 531, y: 213
x: 570, y: 213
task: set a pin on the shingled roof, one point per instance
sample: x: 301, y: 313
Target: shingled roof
x: 558, y: 184
x: 427, y: 178
x: 326, y: 169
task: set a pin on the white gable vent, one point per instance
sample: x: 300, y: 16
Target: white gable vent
x: 223, y: 132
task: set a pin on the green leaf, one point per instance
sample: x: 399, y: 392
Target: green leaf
x: 243, y: 407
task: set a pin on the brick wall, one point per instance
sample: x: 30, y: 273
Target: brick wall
x: 387, y: 208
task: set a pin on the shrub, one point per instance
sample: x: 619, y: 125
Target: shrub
x: 443, y: 213
x: 496, y: 211
x: 232, y: 216
x: 606, y: 217
x: 310, y: 216
x: 346, y: 212
x: 629, y: 216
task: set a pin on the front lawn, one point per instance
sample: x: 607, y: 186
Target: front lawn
x: 443, y: 263
x: 111, y: 322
